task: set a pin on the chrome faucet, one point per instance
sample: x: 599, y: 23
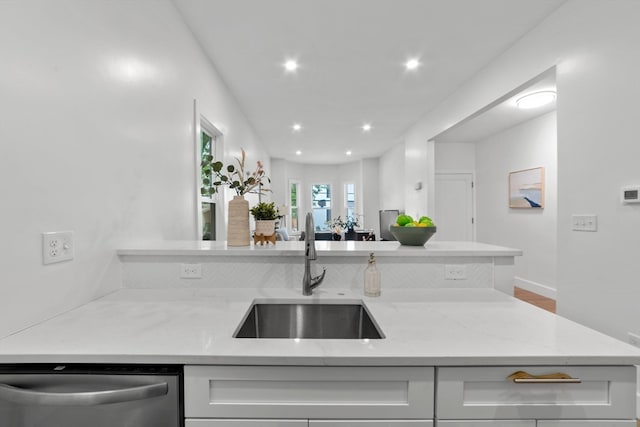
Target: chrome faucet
x: 310, y: 283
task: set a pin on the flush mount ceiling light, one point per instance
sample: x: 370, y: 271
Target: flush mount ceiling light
x: 297, y: 127
x: 366, y: 127
x: 348, y: 152
x: 412, y: 64
x: 290, y: 65
x: 536, y: 99
x: 298, y: 152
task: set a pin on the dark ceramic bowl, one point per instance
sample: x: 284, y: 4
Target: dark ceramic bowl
x: 412, y: 236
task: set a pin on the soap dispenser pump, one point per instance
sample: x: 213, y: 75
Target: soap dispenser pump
x: 372, y: 278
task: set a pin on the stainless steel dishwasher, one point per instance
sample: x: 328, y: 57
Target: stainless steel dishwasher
x: 78, y: 395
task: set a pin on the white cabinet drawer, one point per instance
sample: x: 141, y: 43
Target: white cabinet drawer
x: 305, y: 423
x: 308, y: 392
x: 245, y: 423
x: 605, y: 392
x: 370, y: 423
x: 486, y: 423
x: 587, y: 423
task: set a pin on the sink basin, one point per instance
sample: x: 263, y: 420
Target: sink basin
x: 308, y: 320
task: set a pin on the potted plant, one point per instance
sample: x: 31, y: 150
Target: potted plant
x: 349, y: 224
x: 265, y: 215
x: 215, y: 175
x: 336, y: 225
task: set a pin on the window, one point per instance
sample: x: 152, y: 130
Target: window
x: 294, y: 203
x: 350, y: 200
x: 207, y: 147
x: 208, y: 141
x: 321, y: 205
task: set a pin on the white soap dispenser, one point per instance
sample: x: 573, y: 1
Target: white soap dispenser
x: 372, y: 278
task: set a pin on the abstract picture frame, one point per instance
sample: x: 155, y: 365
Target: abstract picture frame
x: 526, y: 188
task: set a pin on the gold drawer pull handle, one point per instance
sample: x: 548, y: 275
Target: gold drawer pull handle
x: 557, y: 377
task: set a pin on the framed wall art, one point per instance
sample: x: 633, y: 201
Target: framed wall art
x: 526, y: 188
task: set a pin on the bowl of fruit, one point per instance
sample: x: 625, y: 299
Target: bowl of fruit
x: 410, y: 232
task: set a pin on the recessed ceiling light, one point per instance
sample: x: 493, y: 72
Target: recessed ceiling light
x: 291, y: 65
x: 298, y: 152
x: 366, y: 127
x: 348, y: 152
x: 296, y: 127
x: 536, y: 99
x: 412, y: 64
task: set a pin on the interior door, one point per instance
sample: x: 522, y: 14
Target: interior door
x: 453, y: 212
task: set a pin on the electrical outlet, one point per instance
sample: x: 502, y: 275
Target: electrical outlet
x: 191, y: 271
x: 584, y: 222
x: 455, y: 272
x: 57, y: 246
x: 634, y: 339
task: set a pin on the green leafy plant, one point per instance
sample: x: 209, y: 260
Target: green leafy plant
x: 264, y: 211
x: 215, y: 175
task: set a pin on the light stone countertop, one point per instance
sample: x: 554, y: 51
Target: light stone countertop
x: 324, y: 247
x: 442, y: 327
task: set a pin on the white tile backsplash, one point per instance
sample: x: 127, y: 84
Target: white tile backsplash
x: 287, y: 272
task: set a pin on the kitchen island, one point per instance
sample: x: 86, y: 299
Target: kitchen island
x: 444, y: 327
x: 446, y: 358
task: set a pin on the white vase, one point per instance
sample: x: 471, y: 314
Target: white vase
x: 238, y: 225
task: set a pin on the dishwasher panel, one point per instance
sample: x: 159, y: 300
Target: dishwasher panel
x: 91, y: 396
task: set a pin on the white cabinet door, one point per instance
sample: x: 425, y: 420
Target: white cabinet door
x: 587, y: 423
x: 310, y: 392
x: 370, y: 423
x: 245, y: 423
x: 486, y: 423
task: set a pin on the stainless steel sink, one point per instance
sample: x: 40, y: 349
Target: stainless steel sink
x: 308, y: 320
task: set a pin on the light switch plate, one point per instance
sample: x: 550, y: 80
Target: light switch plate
x: 584, y: 222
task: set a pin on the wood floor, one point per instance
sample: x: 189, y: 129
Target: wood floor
x: 542, y: 302
x: 535, y: 299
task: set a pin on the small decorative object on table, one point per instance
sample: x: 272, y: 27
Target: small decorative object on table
x: 265, y: 215
x: 215, y: 175
x: 349, y: 224
x: 412, y: 233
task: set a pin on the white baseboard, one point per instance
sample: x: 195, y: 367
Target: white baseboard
x: 538, y: 288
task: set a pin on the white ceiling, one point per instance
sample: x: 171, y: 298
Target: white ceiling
x: 351, y: 55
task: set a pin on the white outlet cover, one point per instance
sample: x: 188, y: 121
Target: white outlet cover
x: 191, y: 271
x: 57, y: 246
x: 455, y: 272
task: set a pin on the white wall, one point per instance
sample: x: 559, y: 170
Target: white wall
x: 370, y: 197
x: 392, y: 179
x: 598, y: 143
x: 455, y: 156
x: 96, y: 137
x: 527, y: 145
x: 594, y: 45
